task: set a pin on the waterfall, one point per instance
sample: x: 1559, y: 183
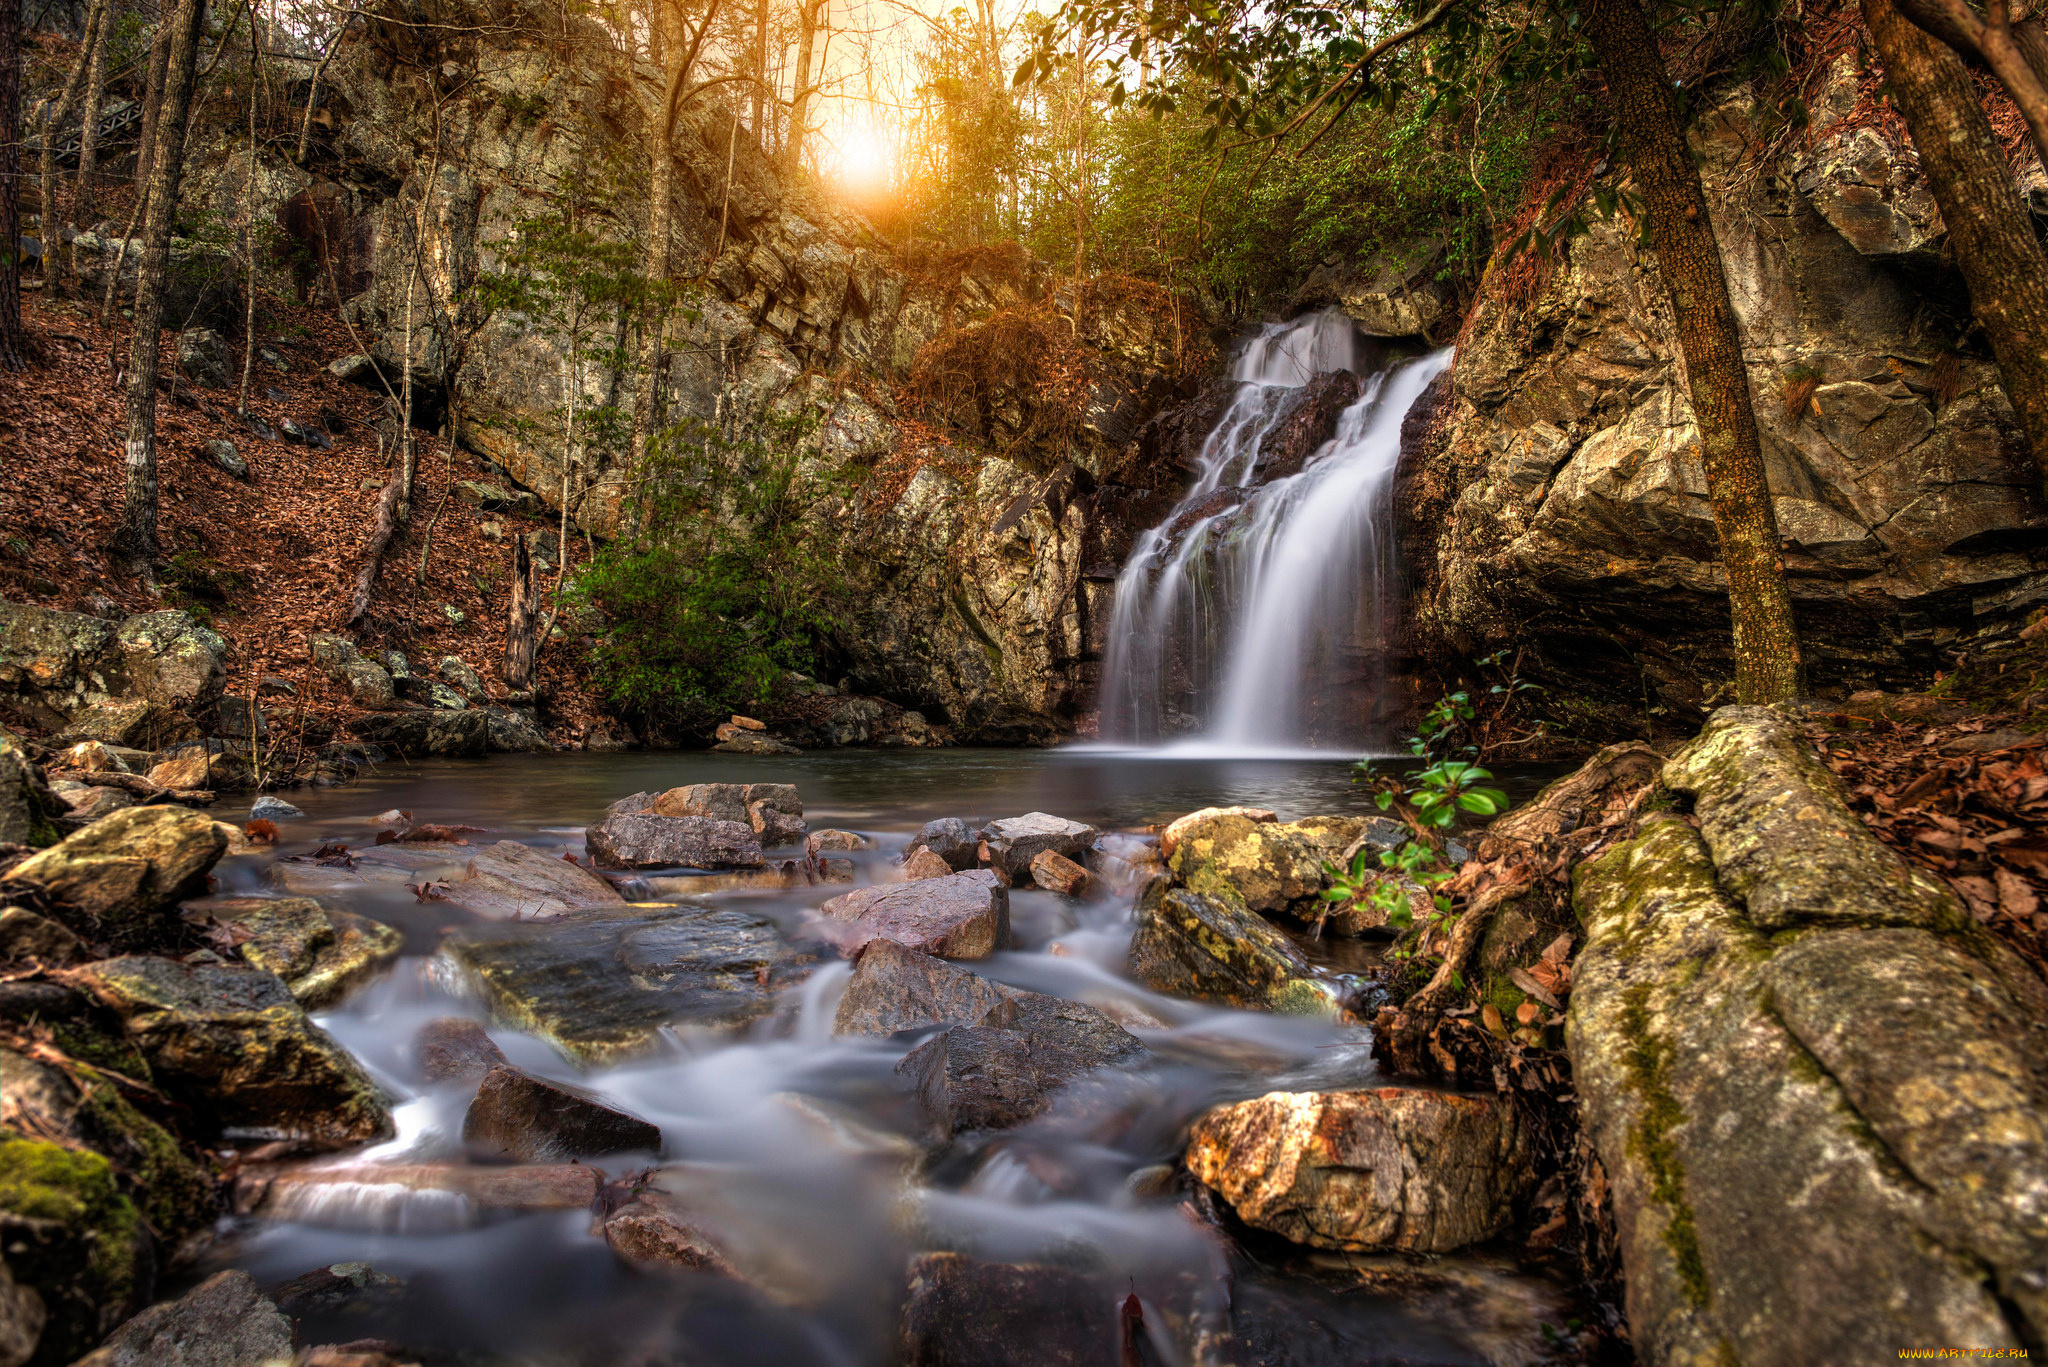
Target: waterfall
x: 1253, y: 618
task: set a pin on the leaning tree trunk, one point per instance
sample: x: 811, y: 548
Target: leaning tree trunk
x: 522, y: 621
x: 137, y: 536
x: 660, y: 210
x: 1767, y: 663
x: 2000, y: 258
x: 11, y: 345
x: 808, y: 14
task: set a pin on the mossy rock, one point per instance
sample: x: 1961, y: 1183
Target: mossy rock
x: 318, y: 952
x: 1212, y: 947
x: 73, y: 1238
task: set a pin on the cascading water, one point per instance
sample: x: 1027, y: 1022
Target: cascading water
x: 1246, y: 620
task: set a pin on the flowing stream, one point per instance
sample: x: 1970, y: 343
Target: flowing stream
x: 807, y: 1143
x: 1252, y: 620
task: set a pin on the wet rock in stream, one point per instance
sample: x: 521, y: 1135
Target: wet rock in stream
x: 1211, y: 947
x: 455, y: 1049
x: 963, y: 1312
x: 960, y: 916
x: 1012, y: 843
x: 602, y: 985
x: 1008, y: 1067
x: 533, y: 1120
x: 318, y: 952
x: 950, y: 840
x: 648, y: 841
x: 236, y: 1046
x: 925, y: 864
x: 225, y: 1321
x: 1390, y: 1168
x: 896, y: 988
x: 347, y: 1193
x: 510, y: 879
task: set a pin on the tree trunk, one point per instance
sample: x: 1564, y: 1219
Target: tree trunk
x: 137, y: 535
x: 95, y: 24
x: 1767, y: 663
x: 760, y: 59
x: 382, y: 529
x: 660, y: 210
x: 809, y: 12
x: 152, y: 107
x: 521, y: 639
x: 11, y: 343
x: 89, y: 119
x: 2016, y: 54
x: 2001, y: 260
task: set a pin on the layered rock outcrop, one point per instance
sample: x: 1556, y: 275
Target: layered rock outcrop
x: 1553, y: 492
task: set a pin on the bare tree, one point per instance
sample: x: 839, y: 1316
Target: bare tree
x: 53, y: 122
x: 11, y: 345
x: 810, y: 18
x: 137, y: 535
x: 89, y: 118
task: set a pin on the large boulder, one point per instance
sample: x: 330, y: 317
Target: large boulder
x: 432, y: 732
x: 1015, y: 841
x: 456, y: 1049
x: 170, y: 659
x: 604, y: 985
x: 1007, y: 1068
x: 1816, y: 1086
x: 123, y: 872
x: 320, y: 953
x: 54, y: 663
x: 895, y: 988
x: 527, y: 1119
x: 513, y: 730
x: 963, y: 1312
x: 225, y: 1321
x: 136, y: 723
x: 234, y: 1045
x: 1212, y: 947
x: 1388, y: 1170
x: 646, y: 841
x: 510, y: 879
x: 960, y: 916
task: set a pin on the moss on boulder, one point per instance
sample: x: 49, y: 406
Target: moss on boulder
x: 1211, y: 946
x: 74, y: 1239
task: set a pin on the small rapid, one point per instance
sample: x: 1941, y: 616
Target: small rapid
x: 1253, y: 619
x: 802, y: 1150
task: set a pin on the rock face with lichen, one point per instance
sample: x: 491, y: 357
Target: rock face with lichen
x: 1816, y: 1085
x: 1212, y: 947
x: 1553, y: 494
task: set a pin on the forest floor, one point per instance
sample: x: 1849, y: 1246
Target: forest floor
x: 1956, y: 780
x: 269, y: 560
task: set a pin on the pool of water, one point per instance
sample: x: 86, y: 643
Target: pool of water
x: 799, y: 1139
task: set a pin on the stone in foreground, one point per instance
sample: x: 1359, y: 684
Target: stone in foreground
x: 647, y: 841
x: 602, y: 985
x: 223, y: 1322
x: 281, y: 1193
x: 1015, y: 841
x: 1005, y: 1070
x: 962, y: 1312
x: 1213, y: 949
x: 894, y: 988
x: 233, y: 1044
x: 532, y: 1120
x: 1269, y: 866
x: 925, y: 864
x: 960, y: 916
x: 1180, y: 826
x: 1056, y: 873
x: 1393, y: 1169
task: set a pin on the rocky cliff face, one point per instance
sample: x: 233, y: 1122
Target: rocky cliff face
x: 794, y: 317
x: 1553, y: 490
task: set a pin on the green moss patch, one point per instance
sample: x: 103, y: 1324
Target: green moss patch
x: 1648, y: 1059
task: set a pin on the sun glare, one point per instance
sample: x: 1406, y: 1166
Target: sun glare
x: 865, y: 158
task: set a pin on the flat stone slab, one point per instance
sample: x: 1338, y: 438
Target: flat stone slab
x: 456, y: 1049
x: 283, y: 1192
x: 320, y: 953
x: 960, y: 916
x: 510, y: 879
x: 602, y: 985
x: 224, y: 1320
x: 631, y: 840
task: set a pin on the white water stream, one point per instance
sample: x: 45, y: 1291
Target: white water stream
x: 1250, y: 627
